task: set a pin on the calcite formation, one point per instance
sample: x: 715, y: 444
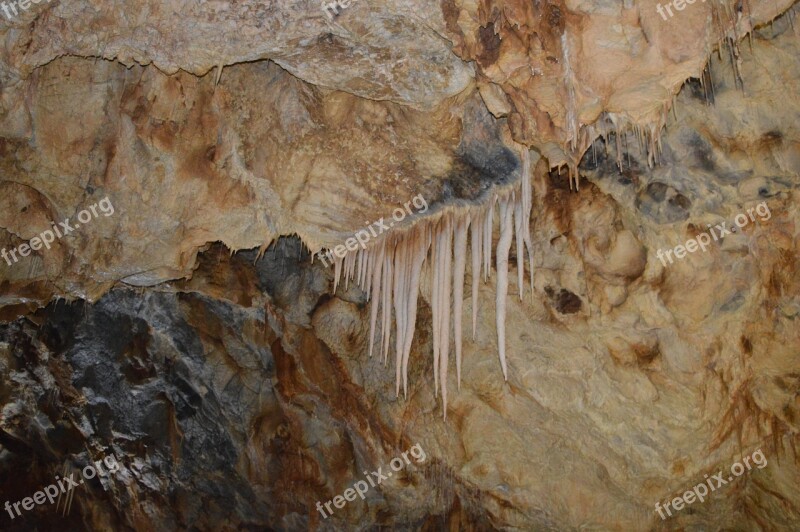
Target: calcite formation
x: 239, y: 381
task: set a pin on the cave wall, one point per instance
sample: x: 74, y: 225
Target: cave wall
x: 191, y: 334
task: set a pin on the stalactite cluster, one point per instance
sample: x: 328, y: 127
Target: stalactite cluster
x: 646, y: 132
x: 390, y: 272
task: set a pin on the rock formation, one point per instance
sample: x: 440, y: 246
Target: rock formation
x: 205, y: 275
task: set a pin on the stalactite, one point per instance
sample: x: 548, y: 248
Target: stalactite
x: 477, y: 246
x: 377, y: 268
x: 444, y: 326
x: 527, y: 207
x: 462, y: 224
x: 573, y: 125
x: 370, y: 264
x: 408, y: 328
x: 337, y: 272
x: 637, y: 132
x: 503, y: 247
x: 487, y: 240
x: 349, y: 264
x: 387, y: 297
x: 647, y: 134
x: 362, y: 267
x: 520, y: 246
x: 421, y: 242
x: 711, y: 83
x: 400, y: 297
x: 435, y: 289
x: 390, y: 271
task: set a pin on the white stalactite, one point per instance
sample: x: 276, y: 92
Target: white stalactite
x: 520, y: 245
x: 435, y: 289
x: 503, y: 247
x: 349, y: 263
x: 487, y: 240
x: 337, y: 272
x: 527, y: 206
x: 444, y: 327
x: 362, y: 267
x: 377, y: 268
x: 370, y: 262
x: 462, y: 224
x: 477, y: 246
x: 390, y: 271
x: 400, y: 309
x: 387, y: 298
x: 421, y: 243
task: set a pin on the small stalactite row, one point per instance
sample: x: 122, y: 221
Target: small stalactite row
x: 390, y: 272
x: 726, y: 18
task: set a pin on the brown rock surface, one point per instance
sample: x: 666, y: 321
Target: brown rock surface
x: 190, y: 334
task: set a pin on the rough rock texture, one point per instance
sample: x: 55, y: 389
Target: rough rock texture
x: 565, y: 66
x: 191, y: 336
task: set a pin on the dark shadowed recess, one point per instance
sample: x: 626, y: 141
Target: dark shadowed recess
x: 482, y: 159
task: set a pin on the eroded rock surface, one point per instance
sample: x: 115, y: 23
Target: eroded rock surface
x: 190, y: 335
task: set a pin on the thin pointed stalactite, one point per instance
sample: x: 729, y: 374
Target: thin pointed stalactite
x: 370, y: 262
x: 435, y: 289
x: 408, y: 299
x: 421, y: 244
x: 503, y: 247
x: 462, y: 225
x: 349, y: 262
x: 574, y: 171
x: 376, y: 296
x: 487, y: 240
x: 520, y: 246
x: 337, y: 272
x: 444, y: 328
x: 477, y: 246
x: 527, y: 206
x: 400, y: 297
x: 361, y: 278
x: 362, y: 266
x: 387, y: 298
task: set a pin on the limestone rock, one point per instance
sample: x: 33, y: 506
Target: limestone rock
x: 206, y: 152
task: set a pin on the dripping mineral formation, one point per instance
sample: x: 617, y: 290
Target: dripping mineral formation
x: 389, y: 273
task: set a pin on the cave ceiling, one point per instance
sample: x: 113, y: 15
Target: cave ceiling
x: 543, y: 153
